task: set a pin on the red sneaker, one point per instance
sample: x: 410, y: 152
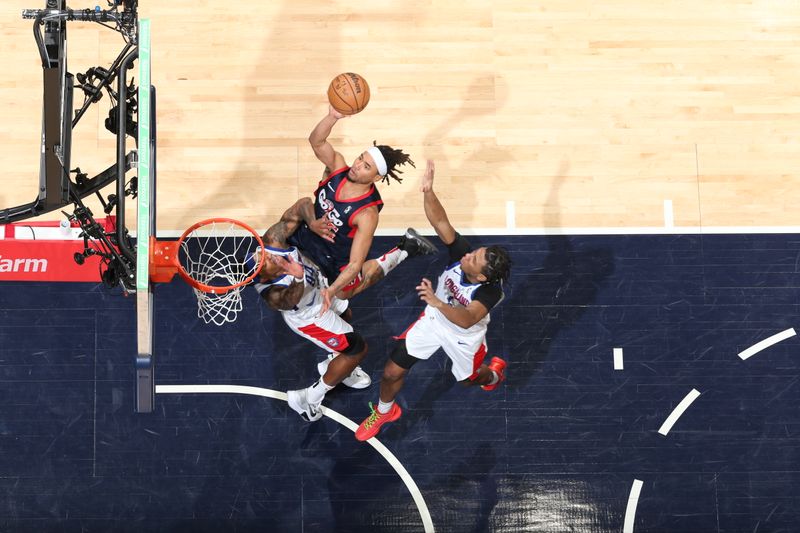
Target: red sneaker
x: 372, y: 424
x: 498, y: 365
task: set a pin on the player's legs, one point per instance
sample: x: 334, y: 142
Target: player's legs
x: 394, y: 372
x: 371, y: 273
x: 329, y: 332
x: 411, y: 244
x: 392, y: 381
x: 420, y: 339
x: 346, y: 362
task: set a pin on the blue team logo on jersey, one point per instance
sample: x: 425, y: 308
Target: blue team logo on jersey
x: 333, y: 342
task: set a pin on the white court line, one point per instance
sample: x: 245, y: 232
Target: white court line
x: 618, y: 359
x: 630, y: 510
x: 511, y: 215
x: 427, y: 521
x: 669, y: 215
x: 678, y: 411
x: 766, y: 343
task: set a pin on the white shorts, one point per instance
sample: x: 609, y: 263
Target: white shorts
x: 327, y: 331
x: 466, y: 351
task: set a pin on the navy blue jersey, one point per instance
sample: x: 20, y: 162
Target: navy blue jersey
x: 332, y: 257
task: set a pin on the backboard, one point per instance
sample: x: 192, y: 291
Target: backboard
x: 146, y: 225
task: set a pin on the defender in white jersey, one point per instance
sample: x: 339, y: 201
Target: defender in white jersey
x: 291, y: 283
x: 455, y: 318
x: 326, y: 330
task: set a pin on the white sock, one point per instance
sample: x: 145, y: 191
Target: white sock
x: 316, y: 392
x: 391, y: 259
x: 495, y: 378
x: 384, y: 408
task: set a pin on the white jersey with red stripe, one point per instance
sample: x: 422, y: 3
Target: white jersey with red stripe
x: 328, y: 330
x: 314, y: 281
x: 454, y: 289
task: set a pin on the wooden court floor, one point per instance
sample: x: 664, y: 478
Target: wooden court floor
x: 637, y: 114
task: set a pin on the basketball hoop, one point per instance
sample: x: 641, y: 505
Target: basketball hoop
x: 213, y: 256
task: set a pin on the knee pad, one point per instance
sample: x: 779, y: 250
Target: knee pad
x: 401, y: 357
x: 355, y: 344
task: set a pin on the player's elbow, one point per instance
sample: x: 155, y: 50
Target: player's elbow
x: 316, y: 143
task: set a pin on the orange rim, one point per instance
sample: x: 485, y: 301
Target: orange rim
x: 165, y: 262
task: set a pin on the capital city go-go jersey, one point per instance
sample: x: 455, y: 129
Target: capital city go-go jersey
x: 333, y: 256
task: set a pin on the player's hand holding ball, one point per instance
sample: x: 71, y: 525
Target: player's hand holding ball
x: 348, y: 93
x: 335, y: 114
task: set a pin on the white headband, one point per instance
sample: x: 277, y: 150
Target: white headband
x: 380, y: 162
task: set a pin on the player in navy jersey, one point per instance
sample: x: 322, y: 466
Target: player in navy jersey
x: 455, y: 318
x: 339, y: 223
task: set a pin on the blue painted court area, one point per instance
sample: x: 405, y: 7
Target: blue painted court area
x: 556, y: 448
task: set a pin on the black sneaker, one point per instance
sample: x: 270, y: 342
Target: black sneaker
x: 415, y: 244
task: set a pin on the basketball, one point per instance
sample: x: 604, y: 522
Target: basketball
x: 348, y: 93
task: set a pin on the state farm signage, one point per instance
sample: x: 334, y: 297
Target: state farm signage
x: 21, y: 264
x: 45, y: 260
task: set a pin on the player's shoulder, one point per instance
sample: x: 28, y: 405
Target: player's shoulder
x: 459, y: 247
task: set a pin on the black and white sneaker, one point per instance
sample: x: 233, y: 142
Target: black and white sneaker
x: 415, y: 244
x: 298, y: 401
x: 358, y: 379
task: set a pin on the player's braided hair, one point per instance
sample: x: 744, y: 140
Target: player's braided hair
x: 393, y: 158
x: 498, y: 264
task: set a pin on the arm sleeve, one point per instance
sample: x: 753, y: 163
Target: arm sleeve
x: 458, y: 248
x: 489, y: 295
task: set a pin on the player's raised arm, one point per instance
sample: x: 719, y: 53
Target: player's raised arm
x: 318, y: 139
x: 434, y: 209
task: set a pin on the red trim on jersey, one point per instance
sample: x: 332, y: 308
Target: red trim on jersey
x: 337, y: 341
x: 351, y: 200
x: 332, y: 174
x: 402, y: 336
x: 477, y: 361
x: 357, y: 211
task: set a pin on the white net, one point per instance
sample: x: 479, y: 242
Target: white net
x: 219, y: 256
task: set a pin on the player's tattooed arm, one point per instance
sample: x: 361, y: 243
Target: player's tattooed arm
x: 301, y: 211
x: 283, y: 298
x: 305, y: 209
x: 277, y: 234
